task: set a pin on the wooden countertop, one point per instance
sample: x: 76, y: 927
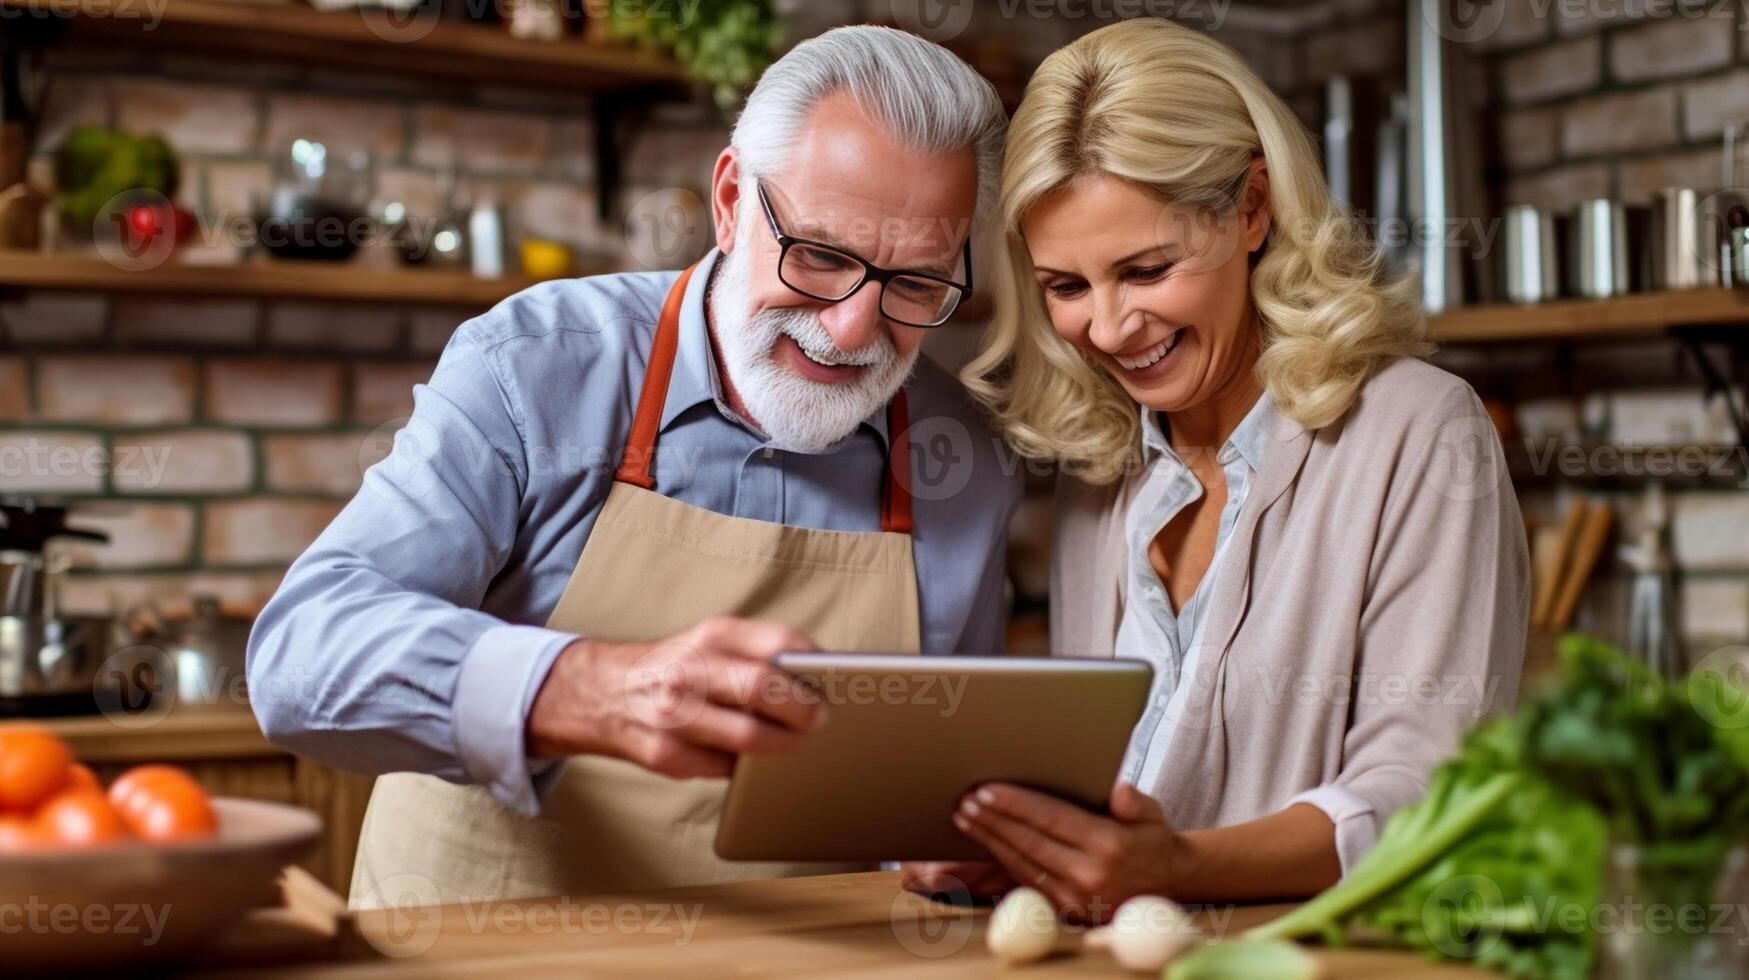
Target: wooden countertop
x: 858, y: 925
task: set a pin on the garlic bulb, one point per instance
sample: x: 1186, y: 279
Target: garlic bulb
x: 1146, y: 933
x: 1024, y: 927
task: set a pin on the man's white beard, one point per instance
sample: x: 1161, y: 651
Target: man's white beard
x: 797, y: 413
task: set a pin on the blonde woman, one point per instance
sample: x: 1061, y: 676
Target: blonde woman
x: 1304, y: 528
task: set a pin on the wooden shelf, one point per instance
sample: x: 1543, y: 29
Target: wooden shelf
x: 1586, y: 319
x: 340, y: 282
x: 377, y: 41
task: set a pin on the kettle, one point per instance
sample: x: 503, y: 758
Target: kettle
x: 26, y: 528
x: 50, y: 664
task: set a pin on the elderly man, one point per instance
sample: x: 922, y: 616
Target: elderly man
x: 555, y: 661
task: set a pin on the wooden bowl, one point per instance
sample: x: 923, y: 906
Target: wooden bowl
x: 134, y: 903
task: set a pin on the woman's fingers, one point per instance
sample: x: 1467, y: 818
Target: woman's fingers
x: 1026, y: 871
x: 1062, y: 821
x: 1060, y: 860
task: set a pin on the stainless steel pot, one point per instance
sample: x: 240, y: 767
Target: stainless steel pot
x: 1532, y: 272
x: 203, y: 648
x: 54, y: 665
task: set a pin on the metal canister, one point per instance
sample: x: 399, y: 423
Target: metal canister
x: 1532, y: 272
x: 1677, y: 259
x: 1599, y: 255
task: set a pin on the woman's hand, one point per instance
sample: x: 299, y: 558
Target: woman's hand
x: 982, y: 879
x: 1086, y: 864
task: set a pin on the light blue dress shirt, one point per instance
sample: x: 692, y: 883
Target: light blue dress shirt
x: 409, y: 638
x: 1150, y: 629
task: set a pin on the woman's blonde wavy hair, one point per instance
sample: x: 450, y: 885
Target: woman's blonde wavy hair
x: 1180, y: 113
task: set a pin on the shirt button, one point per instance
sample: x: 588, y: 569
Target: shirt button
x: 768, y: 453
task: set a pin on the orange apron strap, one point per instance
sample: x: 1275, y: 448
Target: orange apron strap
x: 634, y: 467
x: 896, y: 488
x: 640, y: 452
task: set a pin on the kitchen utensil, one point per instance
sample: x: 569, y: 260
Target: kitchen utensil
x: 1599, y: 519
x: 1599, y: 253
x: 486, y: 239
x: 1651, y: 631
x: 204, y: 647
x: 1679, y: 258
x: 161, y: 900
x: 316, y: 208
x: 1391, y: 193
x: 1532, y: 272
x: 1542, y: 610
x: 50, y: 664
x: 1444, y: 173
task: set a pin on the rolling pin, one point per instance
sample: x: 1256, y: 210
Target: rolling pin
x: 1552, y: 566
x: 1599, y: 518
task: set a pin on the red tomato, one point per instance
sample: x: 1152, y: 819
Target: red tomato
x: 163, y: 803
x: 34, y: 766
x: 80, y: 818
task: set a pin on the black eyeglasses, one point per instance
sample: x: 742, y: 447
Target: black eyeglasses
x: 831, y: 275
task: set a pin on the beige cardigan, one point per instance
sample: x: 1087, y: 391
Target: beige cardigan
x: 1372, y: 605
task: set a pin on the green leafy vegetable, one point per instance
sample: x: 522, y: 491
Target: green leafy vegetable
x: 727, y: 43
x: 1502, y: 862
x: 1481, y: 868
x: 1245, y: 960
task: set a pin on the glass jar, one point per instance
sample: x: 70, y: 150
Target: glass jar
x: 1674, y: 914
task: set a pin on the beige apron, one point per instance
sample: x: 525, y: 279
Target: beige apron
x: 652, y: 567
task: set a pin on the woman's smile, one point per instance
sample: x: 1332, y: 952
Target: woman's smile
x: 1153, y: 361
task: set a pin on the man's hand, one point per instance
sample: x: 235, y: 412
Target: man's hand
x: 684, y: 706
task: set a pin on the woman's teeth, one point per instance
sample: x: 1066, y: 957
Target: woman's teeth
x: 1151, y: 356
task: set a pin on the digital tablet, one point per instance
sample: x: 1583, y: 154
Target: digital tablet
x: 907, y: 736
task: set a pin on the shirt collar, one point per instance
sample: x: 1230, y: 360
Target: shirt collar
x: 697, y: 378
x: 1248, y: 440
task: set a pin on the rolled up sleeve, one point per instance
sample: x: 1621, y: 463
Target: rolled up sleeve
x: 373, y: 655
x: 1442, y: 632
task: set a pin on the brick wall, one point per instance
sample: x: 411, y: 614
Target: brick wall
x: 214, y: 438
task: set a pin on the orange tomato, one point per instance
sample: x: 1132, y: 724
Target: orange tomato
x: 34, y: 766
x: 163, y: 803
x: 19, y: 834
x: 80, y: 818
x: 129, y: 784
x: 80, y: 776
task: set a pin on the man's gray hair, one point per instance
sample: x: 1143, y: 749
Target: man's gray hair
x: 929, y: 100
